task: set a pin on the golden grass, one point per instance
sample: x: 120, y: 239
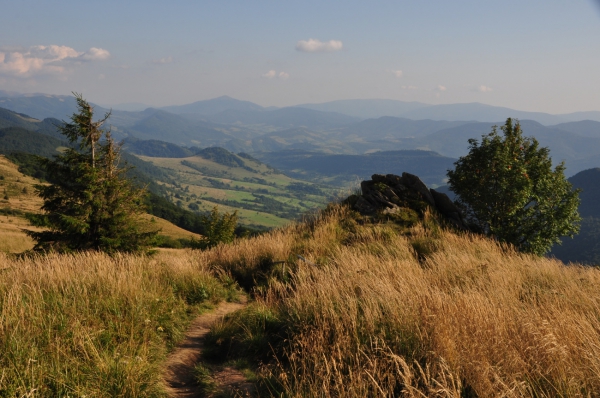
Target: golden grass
x: 18, y: 187
x: 366, y: 310
x: 153, y: 223
x: 12, y: 237
x: 96, y: 326
x: 420, y: 313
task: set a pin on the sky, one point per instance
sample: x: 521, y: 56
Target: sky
x: 534, y: 55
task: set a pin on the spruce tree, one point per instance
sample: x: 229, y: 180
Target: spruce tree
x: 90, y: 205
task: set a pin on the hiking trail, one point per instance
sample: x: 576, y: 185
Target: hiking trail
x: 179, y: 374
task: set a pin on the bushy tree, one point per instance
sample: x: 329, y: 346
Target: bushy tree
x: 90, y: 205
x: 510, y: 191
x: 218, y: 228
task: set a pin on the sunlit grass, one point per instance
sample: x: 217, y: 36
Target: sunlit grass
x: 93, y: 325
x: 378, y: 310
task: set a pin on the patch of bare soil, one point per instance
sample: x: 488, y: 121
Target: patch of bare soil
x: 179, y: 370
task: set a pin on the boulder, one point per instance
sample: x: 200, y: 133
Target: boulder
x: 445, y: 206
x: 388, y: 194
x: 413, y: 182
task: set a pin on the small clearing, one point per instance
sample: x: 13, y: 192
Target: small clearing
x: 179, y: 372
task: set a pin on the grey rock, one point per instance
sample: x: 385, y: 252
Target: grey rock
x: 364, y: 207
x: 396, y: 192
x: 413, y: 182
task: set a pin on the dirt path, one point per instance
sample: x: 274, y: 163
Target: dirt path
x: 179, y: 369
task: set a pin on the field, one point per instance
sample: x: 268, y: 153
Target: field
x: 341, y: 307
x: 262, y: 196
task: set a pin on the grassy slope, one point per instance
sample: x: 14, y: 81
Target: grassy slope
x: 20, y: 190
x: 97, y: 326
x: 239, y: 187
x: 381, y: 310
x: 21, y: 198
x: 374, y: 310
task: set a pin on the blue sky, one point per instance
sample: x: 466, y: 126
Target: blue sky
x: 529, y: 55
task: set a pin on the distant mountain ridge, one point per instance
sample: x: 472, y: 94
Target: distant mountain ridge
x: 214, y: 106
x: 41, y: 106
x: 473, y: 111
x: 367, y: 108
x: 242, y: 126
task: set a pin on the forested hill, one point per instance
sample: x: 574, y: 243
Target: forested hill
x: 585, y: 247
x: 342, y: 169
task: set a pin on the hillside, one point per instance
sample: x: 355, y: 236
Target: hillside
x: 584, y: 247
x: 264, y: 197
x: 18, y: 199
x: 340, y: 305
x: 586, y: 128
x: 345, y: 170
x: 18, y: 139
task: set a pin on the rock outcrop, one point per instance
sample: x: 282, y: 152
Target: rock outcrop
x: 389, y: 194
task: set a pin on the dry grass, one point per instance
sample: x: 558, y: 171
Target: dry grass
x: 18, y: 187
x: 419, y: 313
x: 91, y: 325
x: 367, y: 310
x: 20, y: 191
x: 12, y: 237
x: 152, y: 223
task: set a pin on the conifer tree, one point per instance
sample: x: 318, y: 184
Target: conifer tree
x: 90, y: 205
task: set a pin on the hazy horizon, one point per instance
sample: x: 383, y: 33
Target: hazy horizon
x: 536, y: 56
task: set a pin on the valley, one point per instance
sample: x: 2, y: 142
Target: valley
x: 275, y: 165
x: 263, y: 197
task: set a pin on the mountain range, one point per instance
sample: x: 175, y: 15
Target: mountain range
x: 334, y: 128
x: 59, y: 106
x: 347, y: 152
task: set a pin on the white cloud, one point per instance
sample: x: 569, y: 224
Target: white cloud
x: 273, y: 74
x: 51, y: 59
x: 270, y: 74
x: 484, y: 89
x: 163, y: 61
x: 317, y: 46
x: 397, y: 73
x: 95, y: 54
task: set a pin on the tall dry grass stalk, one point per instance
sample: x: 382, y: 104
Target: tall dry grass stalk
x: 93, y: 325
x: 423, y: 312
